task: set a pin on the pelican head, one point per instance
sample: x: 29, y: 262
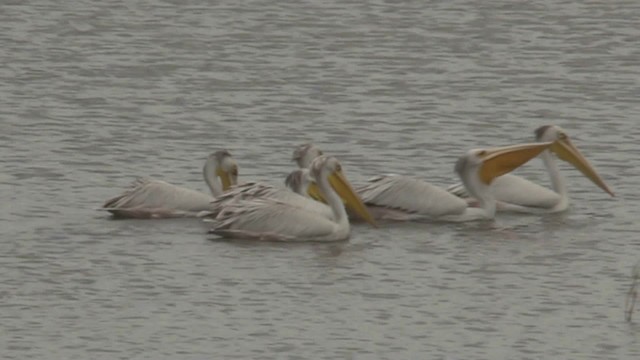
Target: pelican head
x: 301, y: 183
x: 329, y: 168
x: 566, y: 151
x: 304, y: 154
x: 222, y: 165
x: 297, y: 181
x: 479, y: 167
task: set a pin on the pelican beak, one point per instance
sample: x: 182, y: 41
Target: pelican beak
x: 227, y: 178
x: 503, y: 160
x: 349, y: 196
x: 314, y: 192
x: 569, y: 153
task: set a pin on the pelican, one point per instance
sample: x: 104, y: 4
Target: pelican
x: 517, y: 194
x: 304, y: 154
x: 149, y: 198
x: 268, y: 219
x: 398, y: 197
x: 300, y: 187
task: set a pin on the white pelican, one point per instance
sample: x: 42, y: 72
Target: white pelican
x: 403, y: 198
x: 148, y: 198
x: 299, y: 189
x: 517, y: 194
x: 267, y: 219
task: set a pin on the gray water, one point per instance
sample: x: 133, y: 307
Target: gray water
x: 95, y: 93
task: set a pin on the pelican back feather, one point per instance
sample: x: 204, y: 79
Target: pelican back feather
x: 411, y: 195
x: 269, y: 219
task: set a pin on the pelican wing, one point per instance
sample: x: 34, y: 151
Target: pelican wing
x: 267, y: 219
x: 410, y: 195
x: 515, y: 190
x: 148, y: 196
x: 248, y: 190
x: 254, y: 190
x: 458, y: 190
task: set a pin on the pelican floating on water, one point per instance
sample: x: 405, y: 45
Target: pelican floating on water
x: 148, y: 198
x: 396, y: 196
x: 267, y: 219
x: 517, y: 194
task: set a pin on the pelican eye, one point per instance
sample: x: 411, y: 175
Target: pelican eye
x: 482, y: 152
x: 234, y: 171
x: 338, y: 167
x: 562, y: 136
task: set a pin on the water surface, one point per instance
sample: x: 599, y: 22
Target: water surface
x: 95, y: 93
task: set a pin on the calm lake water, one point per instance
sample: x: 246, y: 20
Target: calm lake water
x: 95, y: 93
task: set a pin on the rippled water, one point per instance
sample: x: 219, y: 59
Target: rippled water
x: 95, y: 93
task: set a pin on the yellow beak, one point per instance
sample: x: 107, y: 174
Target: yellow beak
x: 349, y: 196
x: 502, y: 160
x: 314, y: 192
x: 225, y: 178
x: 569, y: 153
